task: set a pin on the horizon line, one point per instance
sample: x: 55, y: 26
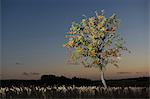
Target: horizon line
x: 84, y: 78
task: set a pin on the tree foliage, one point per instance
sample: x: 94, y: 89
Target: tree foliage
x: 95, y: 41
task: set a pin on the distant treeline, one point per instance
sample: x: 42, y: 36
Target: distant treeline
x: 52, y: 80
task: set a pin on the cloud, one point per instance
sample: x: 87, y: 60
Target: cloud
x: 19, y: 63
x: 24, y: 73
x: 35, y: 73
x: 137, y: 72
x: 123, y: 72
x: 142, y: 72
x: 30, y: 74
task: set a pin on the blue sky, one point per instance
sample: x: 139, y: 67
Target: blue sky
x: 33, y: 34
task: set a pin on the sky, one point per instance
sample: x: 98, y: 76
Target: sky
x: 33, y: 31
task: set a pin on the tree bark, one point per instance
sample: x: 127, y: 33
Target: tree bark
x: 103, y: 80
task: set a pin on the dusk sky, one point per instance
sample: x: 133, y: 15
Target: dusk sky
x: 33, y: 33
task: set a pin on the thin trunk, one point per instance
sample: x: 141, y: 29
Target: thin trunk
x: 103, y: 80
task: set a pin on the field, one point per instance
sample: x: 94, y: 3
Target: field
x: 73, y: 92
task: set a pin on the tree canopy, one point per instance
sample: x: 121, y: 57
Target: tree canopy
x: 95, y: 41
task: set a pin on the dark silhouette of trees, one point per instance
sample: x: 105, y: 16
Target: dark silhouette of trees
x: 62, y: 80
x: 52, y: 80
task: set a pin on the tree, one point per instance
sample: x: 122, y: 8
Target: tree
x: 95, y: 42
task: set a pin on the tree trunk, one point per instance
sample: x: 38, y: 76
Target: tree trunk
x: 103, y: 80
